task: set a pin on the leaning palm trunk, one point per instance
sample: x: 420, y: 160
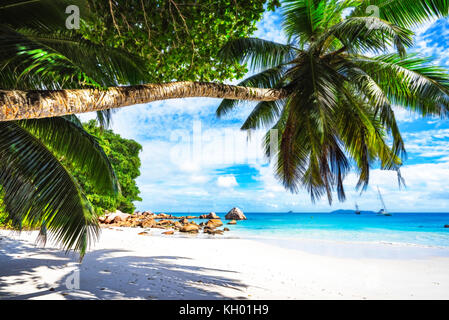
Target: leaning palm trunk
x: 18, y: 104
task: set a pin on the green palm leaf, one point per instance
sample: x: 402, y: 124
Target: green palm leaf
x: 406, y: 13
x: 412, y: 82
x: 63, y: 57
x: 361, y: 34
x: 37, y: 189
x: 67, y: 138
x: 260, y: 54
x: 263, y: 114
x: 270, y: 78
x: 304, y: 20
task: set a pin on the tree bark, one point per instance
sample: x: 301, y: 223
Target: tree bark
x: 18, y: 104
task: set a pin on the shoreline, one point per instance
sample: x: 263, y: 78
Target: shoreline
x: 238, y: 234
x: 334, y: 247
x: 265, y: 238
x: 125, y: 265
x: 310, y: 245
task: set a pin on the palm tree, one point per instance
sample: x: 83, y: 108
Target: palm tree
x: 395, y: 16
x: 37, y: 53
x: 341, y: 81
x: 325, y: 92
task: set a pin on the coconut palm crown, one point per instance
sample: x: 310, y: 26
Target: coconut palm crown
x: 343, y: 70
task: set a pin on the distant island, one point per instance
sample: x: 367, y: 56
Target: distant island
x: 352, y: 211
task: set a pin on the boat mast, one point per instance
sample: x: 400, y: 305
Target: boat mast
x: 381, y: 200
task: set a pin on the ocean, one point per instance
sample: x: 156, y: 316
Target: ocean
x: 419, y: 229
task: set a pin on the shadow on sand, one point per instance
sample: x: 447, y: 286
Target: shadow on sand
x: 108, y: 274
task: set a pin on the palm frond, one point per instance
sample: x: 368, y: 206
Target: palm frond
x: 64, y: 57
x: 270, y: 78
x: 309, y: 153
x: 411, y: 82
x: 362, y: 34
x: 374, y: 96
x: 304, y: 20
x: 260, y: 54
x: 405, y: 13
x: 69, y: 140
x: 104, y: 118
x: 263, y: 114
x: 362, y: 131
x: 37, y: 189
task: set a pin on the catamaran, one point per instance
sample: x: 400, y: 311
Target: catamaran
x: 357, y: 210
x: 383, y: 211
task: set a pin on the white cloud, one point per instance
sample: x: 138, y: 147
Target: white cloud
x: 428, y: 41
x: 404, y: 115
x: 227, y: 181
x: 269, y: 28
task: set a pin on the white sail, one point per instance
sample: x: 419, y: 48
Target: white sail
x: 357, y: 210
x: 383, y: 211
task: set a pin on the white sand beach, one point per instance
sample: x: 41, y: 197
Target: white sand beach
x: 125, y: 265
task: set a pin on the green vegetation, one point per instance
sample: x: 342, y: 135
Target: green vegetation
x: 182, y: 33
x: 124, y: 157
x: 123, y: 154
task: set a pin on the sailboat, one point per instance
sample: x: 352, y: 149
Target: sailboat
x: 383, y: 211
x: 357, y: 210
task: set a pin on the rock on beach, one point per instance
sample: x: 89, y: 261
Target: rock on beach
x: 235, y: 214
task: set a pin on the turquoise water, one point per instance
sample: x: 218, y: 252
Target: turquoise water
x: 422, y: 229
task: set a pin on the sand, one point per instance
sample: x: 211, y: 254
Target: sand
x: 125, y: 265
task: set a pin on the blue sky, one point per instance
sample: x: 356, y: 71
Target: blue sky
x: 192, y: 161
